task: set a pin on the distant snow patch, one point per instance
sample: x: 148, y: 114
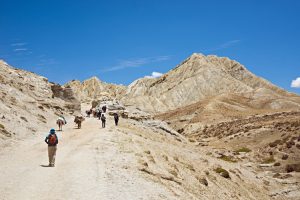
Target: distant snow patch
x: 296, y: 83
x: 154, y: 75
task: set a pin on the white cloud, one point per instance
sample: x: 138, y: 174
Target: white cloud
x: 123, y: 64
x: 18, y: 44
x: 225, y: 45
x: 154, y: 75
x: 20, y: 49
x: 296, y: 83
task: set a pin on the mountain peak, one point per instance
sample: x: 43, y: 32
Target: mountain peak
x: 93, y: 78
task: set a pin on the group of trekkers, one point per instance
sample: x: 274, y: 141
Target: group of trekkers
x: 101, y: 115
x: 52, y: 139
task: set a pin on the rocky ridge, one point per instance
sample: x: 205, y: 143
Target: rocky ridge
x: 200, y: 77
x: 29, y: 102
x: 95, y: 89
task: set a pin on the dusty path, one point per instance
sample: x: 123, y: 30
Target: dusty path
x: 92, y: 163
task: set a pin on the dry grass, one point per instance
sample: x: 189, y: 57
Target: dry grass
x: 224, y: 173
x: 228, y: 158
x: 268, y: 160
x: 243, y: 149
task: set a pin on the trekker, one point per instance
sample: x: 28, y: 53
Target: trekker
x: 103, y: 119
x: 52, y: 142
x: 88, y: 113
x: 116, y: 117
x: 99, y: 114
x: 104, y: 109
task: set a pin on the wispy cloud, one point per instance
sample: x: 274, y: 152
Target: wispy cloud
x: 154, y: 75
x: 19, y: 44
x: 296, y: 83
x: 20, y: 49
x: 123, y: 64
x: 225, y: 45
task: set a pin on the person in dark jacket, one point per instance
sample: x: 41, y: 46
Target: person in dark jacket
x: 99, y: 114
x: 116, y: 117
x: 52, y: 142
x: 103, y: 119
x: 104, y: 108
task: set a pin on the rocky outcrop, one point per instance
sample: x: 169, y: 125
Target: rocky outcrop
x: 66, y: 94
x: 95, y: 89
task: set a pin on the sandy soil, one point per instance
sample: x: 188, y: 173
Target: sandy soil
x: 90, y: 165
x: 133, y: 161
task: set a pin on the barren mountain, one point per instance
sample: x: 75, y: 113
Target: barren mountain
x: 29, y: 102
x: 201, y: 77
x: 95, y: 89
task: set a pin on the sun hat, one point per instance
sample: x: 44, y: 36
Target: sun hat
x: 52, y: 130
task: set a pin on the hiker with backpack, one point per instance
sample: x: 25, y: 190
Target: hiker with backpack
x: 99, y: 114
x: 52, y: 142
x: 116, y: 118
x: 103, y: 119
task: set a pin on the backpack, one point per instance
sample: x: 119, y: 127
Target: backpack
x: 52, y: 139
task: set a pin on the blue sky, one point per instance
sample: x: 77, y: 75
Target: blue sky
x: 120, y: 41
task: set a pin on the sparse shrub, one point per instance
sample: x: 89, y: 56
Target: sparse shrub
x: 298, y: 146
x: 277, y: 175
x: 277, y: 164
x: 243, y: 149
x: 190, y: 167
x: 24, y: 119
x: 2, y: 126
x: 275, y: 143
x: 228, y: 158
x: 192, y: 140
x: 173, y: 172
x: 147, y: 152
x: 176, y: 158
x: 145, y: 164
x: 224, y: 173
x: 290, y: 144
x: 165, y: 157
x: 180, y: 130
x: 285, y: 157
x: 202, y: 180
x: 292, y: 167
x: 268, y: 160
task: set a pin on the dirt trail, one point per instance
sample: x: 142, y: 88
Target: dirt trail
x: 91, y: 163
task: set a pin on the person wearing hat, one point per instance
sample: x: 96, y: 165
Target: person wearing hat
x: 52, y: 142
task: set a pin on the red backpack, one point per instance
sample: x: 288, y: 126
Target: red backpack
x: 52, y: 139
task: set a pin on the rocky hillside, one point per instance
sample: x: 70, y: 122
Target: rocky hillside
x: 201, y: 77
x: 29, y: 102
x: 95, y: 89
